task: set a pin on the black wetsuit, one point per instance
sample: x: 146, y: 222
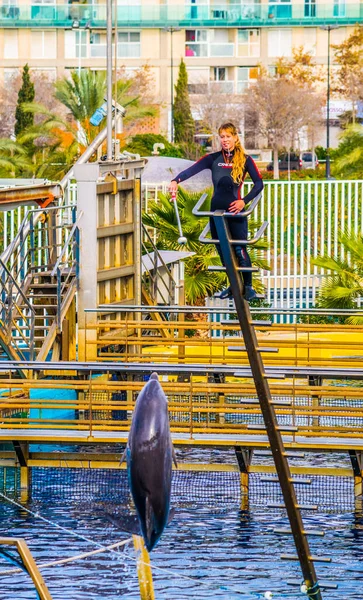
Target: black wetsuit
x: 225, y: 192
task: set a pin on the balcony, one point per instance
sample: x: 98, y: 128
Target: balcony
x: 182, y: 15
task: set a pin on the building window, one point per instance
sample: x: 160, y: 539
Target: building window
x: 98, y: 45
x: 196, y: 42
x: 280, y: 9
x: 310, y: 8
x: 248, y: 42
x: 246, y: 76
x: 220, y: 82
x: 43, y: 44
x: 10, y: 43
x: 310, y: 40
x: 279, y: 42
x: 197, y: 9
x: 76, y: 44
x: 128, y: 44
x: 10, y: 9
x: 339, y: 8
x: 43, y: 9
x: 198, y: 80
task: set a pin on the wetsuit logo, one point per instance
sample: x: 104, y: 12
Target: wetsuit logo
x: 225, y: 165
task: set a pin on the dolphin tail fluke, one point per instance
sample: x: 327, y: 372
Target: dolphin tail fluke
x: 127, y: 523
x: 123, y: 457
x: 171, y: 515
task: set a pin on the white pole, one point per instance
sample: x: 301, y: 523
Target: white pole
x: 109, y: 79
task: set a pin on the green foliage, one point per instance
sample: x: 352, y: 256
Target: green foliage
x: 318, y: 173
x: 82, y: 93
x: 348, y: 157
x: 344, y: 282
x: 184, y: 126
x: 143, y: 144
x: 320, y: 152
x: 199, y: 282
x: 26, y: 94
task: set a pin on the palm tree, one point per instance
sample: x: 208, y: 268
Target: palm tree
x: 199, y: 282
x: 56, y: 143
x: 12, y: 158
x: 344, y: 282
x: 83, y: 93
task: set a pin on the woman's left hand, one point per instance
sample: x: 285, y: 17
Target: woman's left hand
x: 236, y: 206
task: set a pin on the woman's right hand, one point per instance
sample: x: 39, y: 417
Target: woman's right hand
x: 173, y: 188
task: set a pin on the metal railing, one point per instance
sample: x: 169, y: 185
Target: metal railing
x: 157, y: 277
x: 305, y: 219
x: 66, y: 269
x: 187, y: 15
x: 17, y: 317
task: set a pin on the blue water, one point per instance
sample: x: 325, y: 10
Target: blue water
x: 212, y: 549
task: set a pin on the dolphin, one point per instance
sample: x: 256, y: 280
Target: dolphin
x: 149, y: 454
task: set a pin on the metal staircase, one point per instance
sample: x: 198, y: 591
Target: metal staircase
x: 267, y: 404
x: 38, y: 281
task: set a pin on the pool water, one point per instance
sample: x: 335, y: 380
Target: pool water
x: 212, y: 549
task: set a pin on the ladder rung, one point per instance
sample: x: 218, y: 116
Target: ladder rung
x: 281, y: 403
x: 236, y: 322
x: 258, y: 349
x: 291, y: 479
x: 299, y: 506
x: 292, y: 454
x: 265, y: 375
x: 242, y: 269
x: 322, y: 585
x: 273, y: 402
x: 312, y: 558
x: 279, y: 427
x: 313, y: 532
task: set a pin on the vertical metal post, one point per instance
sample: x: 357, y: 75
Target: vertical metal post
x: 327, y: 164
x: 109, y: 79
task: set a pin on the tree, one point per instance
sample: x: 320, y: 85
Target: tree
x: 301, y: 68
x: 349, y: 58
x: 184, y: 126
x: 215, y: 109
x: 26, y: 94
x: 282, y: 107
x: 344, y: 282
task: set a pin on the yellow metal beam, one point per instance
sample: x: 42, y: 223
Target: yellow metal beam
x: 29, y: 564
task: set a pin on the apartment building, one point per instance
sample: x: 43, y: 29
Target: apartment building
x: 222, y: 42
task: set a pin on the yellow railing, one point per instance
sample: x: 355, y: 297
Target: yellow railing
x: 100, y: 405
x: 197, y: 341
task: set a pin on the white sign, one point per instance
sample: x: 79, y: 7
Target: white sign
x: 336, y: 108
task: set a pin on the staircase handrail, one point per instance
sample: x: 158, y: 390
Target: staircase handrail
x: 244, y: 213
x: 29, y: 306
x: 158, y: 258
x: 66, y: 245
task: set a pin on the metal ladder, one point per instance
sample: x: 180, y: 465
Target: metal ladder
x: 280, y: 456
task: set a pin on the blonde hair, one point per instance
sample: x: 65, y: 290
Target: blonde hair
x: 239, y: 157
